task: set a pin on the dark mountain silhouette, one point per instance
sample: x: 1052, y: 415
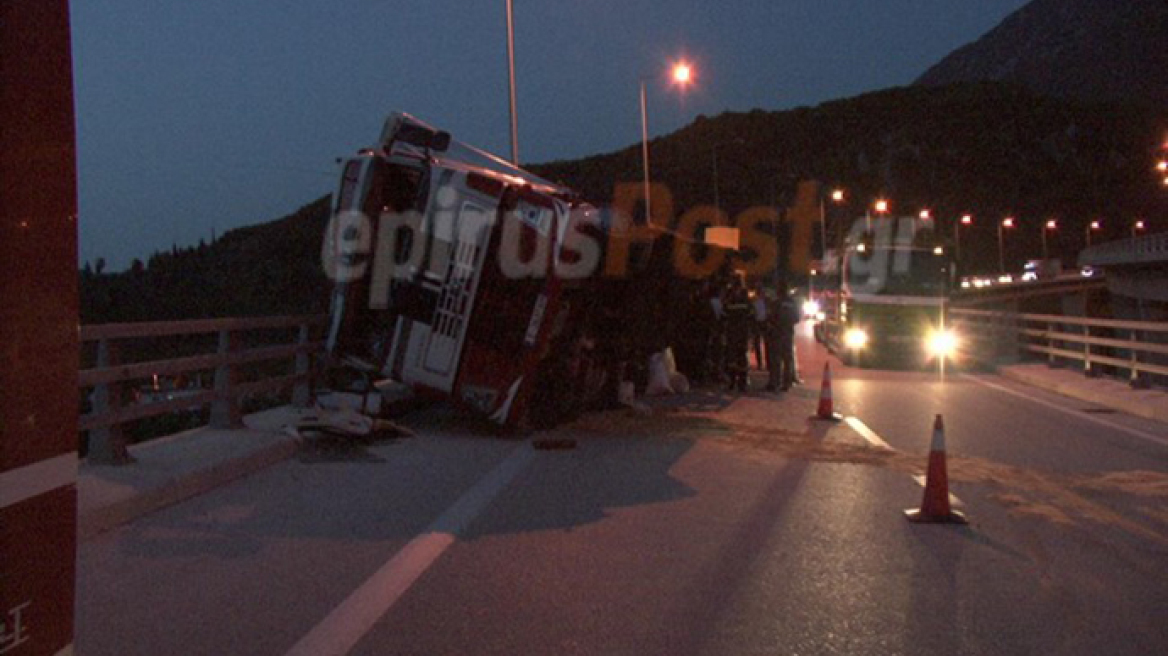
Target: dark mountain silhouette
x: 1085, y: 49
x: 988, y: 149
x: 268, y: 269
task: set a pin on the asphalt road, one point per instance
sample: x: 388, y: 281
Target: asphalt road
x: 716, y: 525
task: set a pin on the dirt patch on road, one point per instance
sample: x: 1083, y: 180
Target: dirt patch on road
x: 1063, y: 499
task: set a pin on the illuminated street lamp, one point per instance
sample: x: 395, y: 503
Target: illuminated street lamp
x: 1137, y: 227
x: 837, y: 197
x: 881, y: 207
x: 1050, y: 226
x: 966, y: 219
x: 925, y: 214
x: 1094, y: 226
x: 682, y: 74
x: 1006, y: 223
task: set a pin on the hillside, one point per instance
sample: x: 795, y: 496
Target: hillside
x: 268, y: 269
x: 988, y: 149
x: 1084, y: 49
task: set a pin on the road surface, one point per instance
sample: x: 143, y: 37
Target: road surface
x: 716, y: 525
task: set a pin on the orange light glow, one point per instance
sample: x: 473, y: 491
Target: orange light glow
x: 838, y: 195
x: 682, y: 73
x: 1095, y: 225
x: 967, y: 220
x: 1052, y: 225
x: 926, y: 215
x: 881, y: 206
x: 1008, y: 222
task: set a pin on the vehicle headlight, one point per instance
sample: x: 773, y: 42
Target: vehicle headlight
x: 810, y: 308
x: 855, y: 338
x: 942, y: 344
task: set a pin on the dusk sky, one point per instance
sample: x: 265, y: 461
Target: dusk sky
x: 211, y: 115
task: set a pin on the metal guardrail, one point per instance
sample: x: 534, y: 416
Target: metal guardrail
x: 1094, y: 343
x: 109, y: 377
x: 1150, y: 248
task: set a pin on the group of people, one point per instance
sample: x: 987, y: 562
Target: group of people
x: 741, y: 320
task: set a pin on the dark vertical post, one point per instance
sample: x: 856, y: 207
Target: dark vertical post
x: 38, y: 328
x: 225, y: 410
x: 107, y: 445
x: 302, y: 392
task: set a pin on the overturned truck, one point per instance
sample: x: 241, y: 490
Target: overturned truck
x: 467, y: 278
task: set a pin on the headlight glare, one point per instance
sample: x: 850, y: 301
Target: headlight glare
x: 855, y: 338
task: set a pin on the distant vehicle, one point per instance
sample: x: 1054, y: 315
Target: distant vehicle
x: 893, y: 311
x: 1036, y: 269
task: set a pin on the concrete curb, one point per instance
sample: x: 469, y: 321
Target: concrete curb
x: 103, y: 517
x: 1150, y: 404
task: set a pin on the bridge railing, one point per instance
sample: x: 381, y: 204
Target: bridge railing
x: 239, y: 358
x: 1138, y: 349
x: 1126, y: 251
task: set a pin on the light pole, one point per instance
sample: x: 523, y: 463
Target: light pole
x: 881, y: 206
x: 837, y: 197
x: 1008, y: 222
x: 511, y: 84
x: 1094, y: 226
x: 1050, y: 226
x: 682, y: 74
x: 966, y: 219
x: 717, y: 199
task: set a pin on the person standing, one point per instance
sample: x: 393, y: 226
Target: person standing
x: 787, y: 317
x: 758, y: 326
x: 739, y: 315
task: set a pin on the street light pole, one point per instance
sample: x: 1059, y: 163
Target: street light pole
x: 1008, y: 222
x: 682, y: 73
x: 1092, y: 227
x: 511, y: 83
x: 645, y: 150
x: 965, y: 219
x: 717, y: 200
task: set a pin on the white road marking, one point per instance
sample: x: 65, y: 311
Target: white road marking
x: 875, y: 440
x: 344, y: 627
x: 1135, y: 432
x: 867, y: 433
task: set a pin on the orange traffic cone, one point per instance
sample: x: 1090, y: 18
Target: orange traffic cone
x: 826, y: 410
x: 935, y: 507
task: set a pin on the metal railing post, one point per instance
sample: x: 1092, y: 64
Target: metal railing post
x: 1088, y: 370
x: 225, y: 410
x: 1009, y: 340
x: 107, y: 445
x: 302, y: 392
x: 1050, y: 359
x: 1137, y: 380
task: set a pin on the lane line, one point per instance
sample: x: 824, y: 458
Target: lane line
x: 867, y: 433
x: 350, y: 621
x: 875, y: 440
x: 1134, y: 432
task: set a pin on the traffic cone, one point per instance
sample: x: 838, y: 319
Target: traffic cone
x: 826, y: 409
x: 935, y: 508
